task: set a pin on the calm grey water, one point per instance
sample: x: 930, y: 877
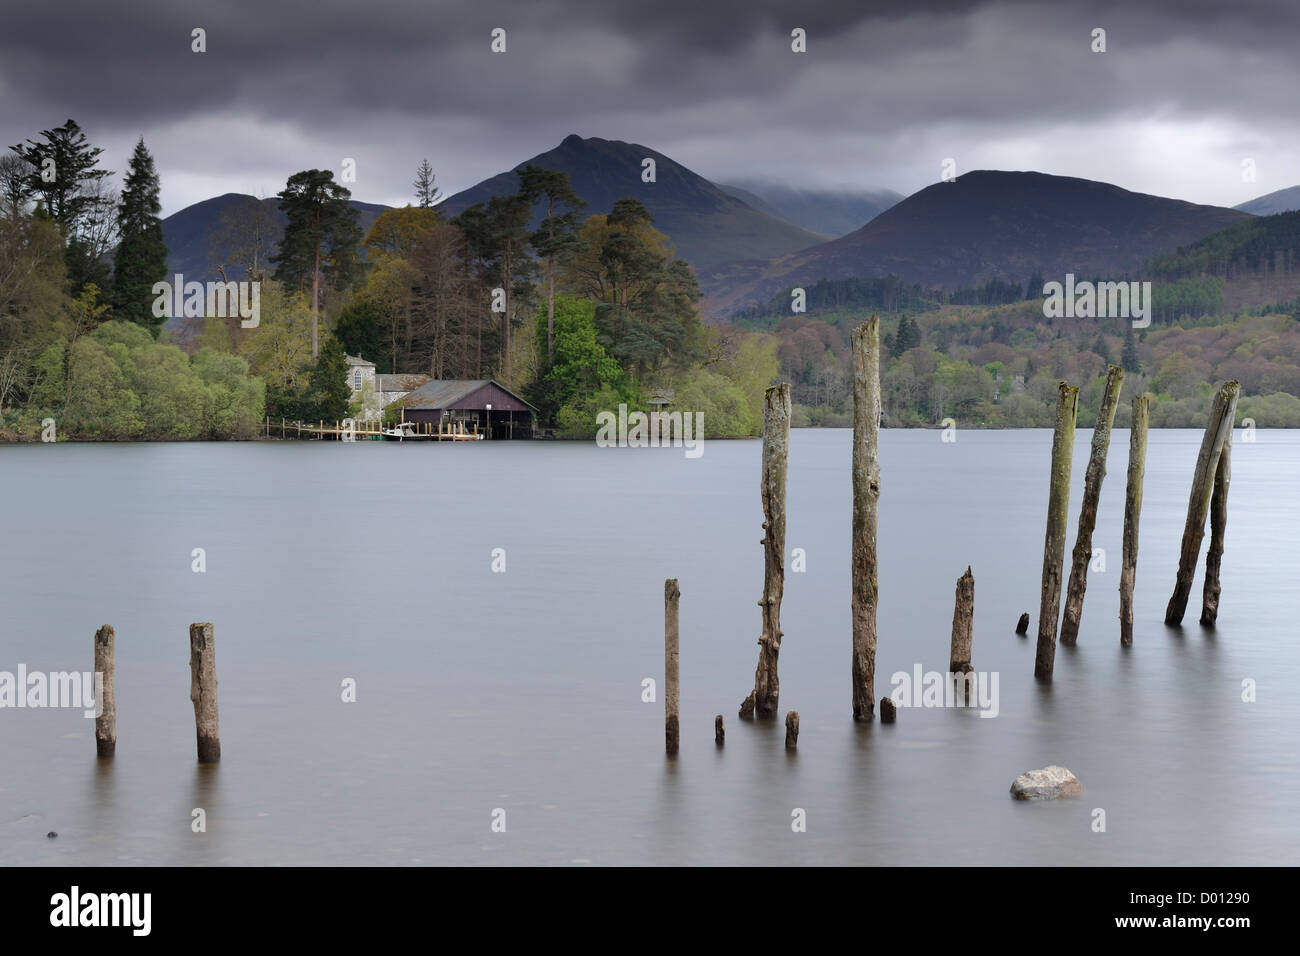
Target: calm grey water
x: 522, y: 690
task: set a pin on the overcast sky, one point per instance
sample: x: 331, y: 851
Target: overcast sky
x: 1185, y: 91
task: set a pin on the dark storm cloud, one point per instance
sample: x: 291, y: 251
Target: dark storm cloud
x: 885, y: 91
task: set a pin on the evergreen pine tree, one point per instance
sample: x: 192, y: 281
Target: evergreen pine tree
x: 320, y: 240
x: 1099, y: 347
x: 1129, y: 358
x: 328, y: 391
x: 141, y: 258
x: 557, y: 233
x: 426, y: 193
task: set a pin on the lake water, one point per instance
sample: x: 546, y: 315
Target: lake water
x: 521, y: 691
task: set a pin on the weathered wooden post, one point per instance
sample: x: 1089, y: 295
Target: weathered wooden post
x: 762, y: 700
x: 672, y: 691
x: 1218, y: 525
x: 963, y: 622
x: 1137, y: 458
x: 1058, y: 504
x: 1092, y: 480
x: 203, y: 691
x: 1222, y: 416
x: 888, y: 710
x: 792, y: 730
x: 719, y: 731
x: 1022, y: 625
x: 866, y: 499
x: 106, y: 698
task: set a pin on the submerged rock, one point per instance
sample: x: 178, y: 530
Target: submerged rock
x: 1046, y: 784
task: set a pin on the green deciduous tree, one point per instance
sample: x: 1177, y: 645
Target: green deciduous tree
x: 646, y: 300
x: 581, y: 368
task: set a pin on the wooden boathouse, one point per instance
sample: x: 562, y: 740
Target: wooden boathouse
x: 484, y: 405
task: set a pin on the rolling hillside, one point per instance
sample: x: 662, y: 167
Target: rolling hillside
x: 985, y: 225
x: 705, y: 224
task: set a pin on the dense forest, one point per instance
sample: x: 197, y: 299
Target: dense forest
x: 1227, y: 307
x: 578, y: 310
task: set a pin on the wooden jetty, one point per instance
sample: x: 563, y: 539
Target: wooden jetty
x: 373, y: 431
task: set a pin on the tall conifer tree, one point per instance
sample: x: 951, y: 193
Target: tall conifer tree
x: 141, y: 258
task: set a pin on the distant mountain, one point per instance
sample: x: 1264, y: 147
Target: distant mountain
x: 832, y: 213
x: 985, y: 225
x: 705, y: 224
x: 199, y: 237
x: 1270, y: 204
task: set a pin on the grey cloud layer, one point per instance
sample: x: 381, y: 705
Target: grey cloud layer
x: 889, y: 84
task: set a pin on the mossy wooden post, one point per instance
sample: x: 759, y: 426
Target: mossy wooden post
x: 105, y: 696
x: 1218, y: 525
x: 762, y: 700
x: 866, y: 499
x: 1222, y: 416
x: 1058, y: 505
x: 963, y: 620
x: 1092, y: 480
x: 203, y: 691
x: 672, y: 692
x: 1137, y: 462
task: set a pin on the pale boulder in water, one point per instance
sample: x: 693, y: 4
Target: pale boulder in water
x: 1046, y: 784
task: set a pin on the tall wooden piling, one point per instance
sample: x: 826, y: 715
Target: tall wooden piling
x: 963, y: 622
x: 762, y: 700
x: 1222, y: 416
x: 1218, y: 525
x: 1092, y: 480
x: 203, y: 691
x: 1137, y: 460
x: 963, y: 625
x: 106, y: 697
x: 1058, y: 504
x: 672, y: 693
x: 866, y: 499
